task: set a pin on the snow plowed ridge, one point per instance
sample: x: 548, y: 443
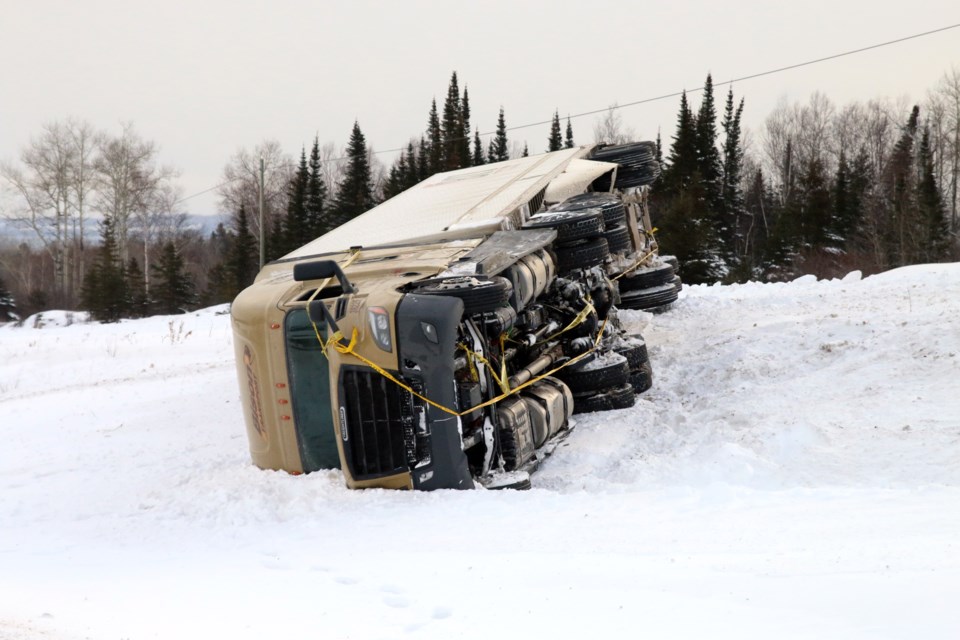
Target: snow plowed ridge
x: 842, y: 382
x: 793, y: 474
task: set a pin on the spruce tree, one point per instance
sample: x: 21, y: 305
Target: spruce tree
x: 464, y: 134
x: 478, y: 155
x: 296, y: 226
x: 355, y: 192
x: 731, y: 200
x: 499, y: 147
x: 242, y: 259
x: 568, y: 142
x: 683, y: 160
x: 173, y: 291
x: 316, y: 192
x: 814, y: 205
x: 136, y: 291
x: 434, y: 141
x: 423, y: 161
x: 451, y: 128
x: 900, y: 187
x: 412, y: 175
x: 934, y: 229
x: 555, y: 142
x: 708, y: 158
x: 526, y: 151
x: 8, y: 307
x: 105, y: 293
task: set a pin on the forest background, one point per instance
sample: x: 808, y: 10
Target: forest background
x: 820, y: 188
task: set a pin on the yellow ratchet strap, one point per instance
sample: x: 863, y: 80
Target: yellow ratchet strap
x: 633, y: 266
x: 350, y: 349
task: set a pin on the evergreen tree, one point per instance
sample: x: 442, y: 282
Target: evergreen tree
x: 499, y: 147
x: 296, y: 226
x: 555, y: 142
x: 814, y: 205
x: 708, y: 158
x: 423, y: 161
x: 8, y: 307
x: 568, y: 142
x: 434, y: 142
x: 173, y: 291
x: 686, y: 232
x: 275, y: 241
x: 452, y: 128
x: 136, y: 291
x: 412, y: 175
x: 242, y: 258
x: 934, y: 228
x: 105, y: 293
x: 731, y: 200
x: 316, y: 196
x: 526, y: 152
x: 478, y: 155
x: 394, y: 183
x: 464, y: 134
x: 900, y: 188
x: 355, y: 192
x: 683, y: 161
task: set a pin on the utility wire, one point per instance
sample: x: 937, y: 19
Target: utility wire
x: 655, y: 98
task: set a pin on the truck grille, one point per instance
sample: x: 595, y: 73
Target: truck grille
x: 382, y: 421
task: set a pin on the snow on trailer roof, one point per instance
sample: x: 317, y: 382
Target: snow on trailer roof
x: 475, y: 199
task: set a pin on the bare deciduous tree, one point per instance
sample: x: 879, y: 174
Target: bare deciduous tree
x: 241, y: 182
x: 128, y: 180
x: 51, y: 190
x: 611, y: 129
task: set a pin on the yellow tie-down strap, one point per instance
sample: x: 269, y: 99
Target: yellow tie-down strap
x: 336, y: 341
x: 634, y: 266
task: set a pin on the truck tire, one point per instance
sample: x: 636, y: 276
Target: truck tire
x: 603, y: 372
x: 582, y: 255
x: 479, y: 294
x: 642, y: 378
x: 571, y: 226
x: 619, y: 397
x: 634, y: 349
x: 646, y: 277
x: 652, y: 299
x: 613, y: 211
x: 618, y: 238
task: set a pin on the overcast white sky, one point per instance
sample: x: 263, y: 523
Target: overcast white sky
x: 204, y: 78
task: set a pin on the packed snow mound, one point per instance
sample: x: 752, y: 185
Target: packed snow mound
x: 808, y: 383
x: 792, y: 474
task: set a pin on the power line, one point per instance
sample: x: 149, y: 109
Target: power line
x: 665, y: 96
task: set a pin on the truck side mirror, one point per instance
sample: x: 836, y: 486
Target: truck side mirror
x: 319, y: 314
x: 320, y: 269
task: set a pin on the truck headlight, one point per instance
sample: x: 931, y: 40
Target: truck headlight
x: 380, y: 327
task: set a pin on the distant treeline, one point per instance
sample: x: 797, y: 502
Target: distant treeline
x: 818, y: 190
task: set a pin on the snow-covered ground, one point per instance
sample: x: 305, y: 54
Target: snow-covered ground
x: 794, y: 473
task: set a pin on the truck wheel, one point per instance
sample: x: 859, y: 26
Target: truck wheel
x: 642, y: 378
x: 570, y: 226
x: 618, y: 238
x: 613, y: 211
x: 646, y: 277
x: 634, y: 349
x: 604, y: 371
x: 583, y: 255
x: 652, y: 299
x: 672, y: 261
x: 479, y: 294
x: 619, y: 397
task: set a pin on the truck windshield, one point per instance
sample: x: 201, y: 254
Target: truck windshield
x: 310, y: 393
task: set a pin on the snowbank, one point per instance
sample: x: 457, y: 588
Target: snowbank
x: 793, y: 473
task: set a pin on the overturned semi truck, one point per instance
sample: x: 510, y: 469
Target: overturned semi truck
x: 445, y: 338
